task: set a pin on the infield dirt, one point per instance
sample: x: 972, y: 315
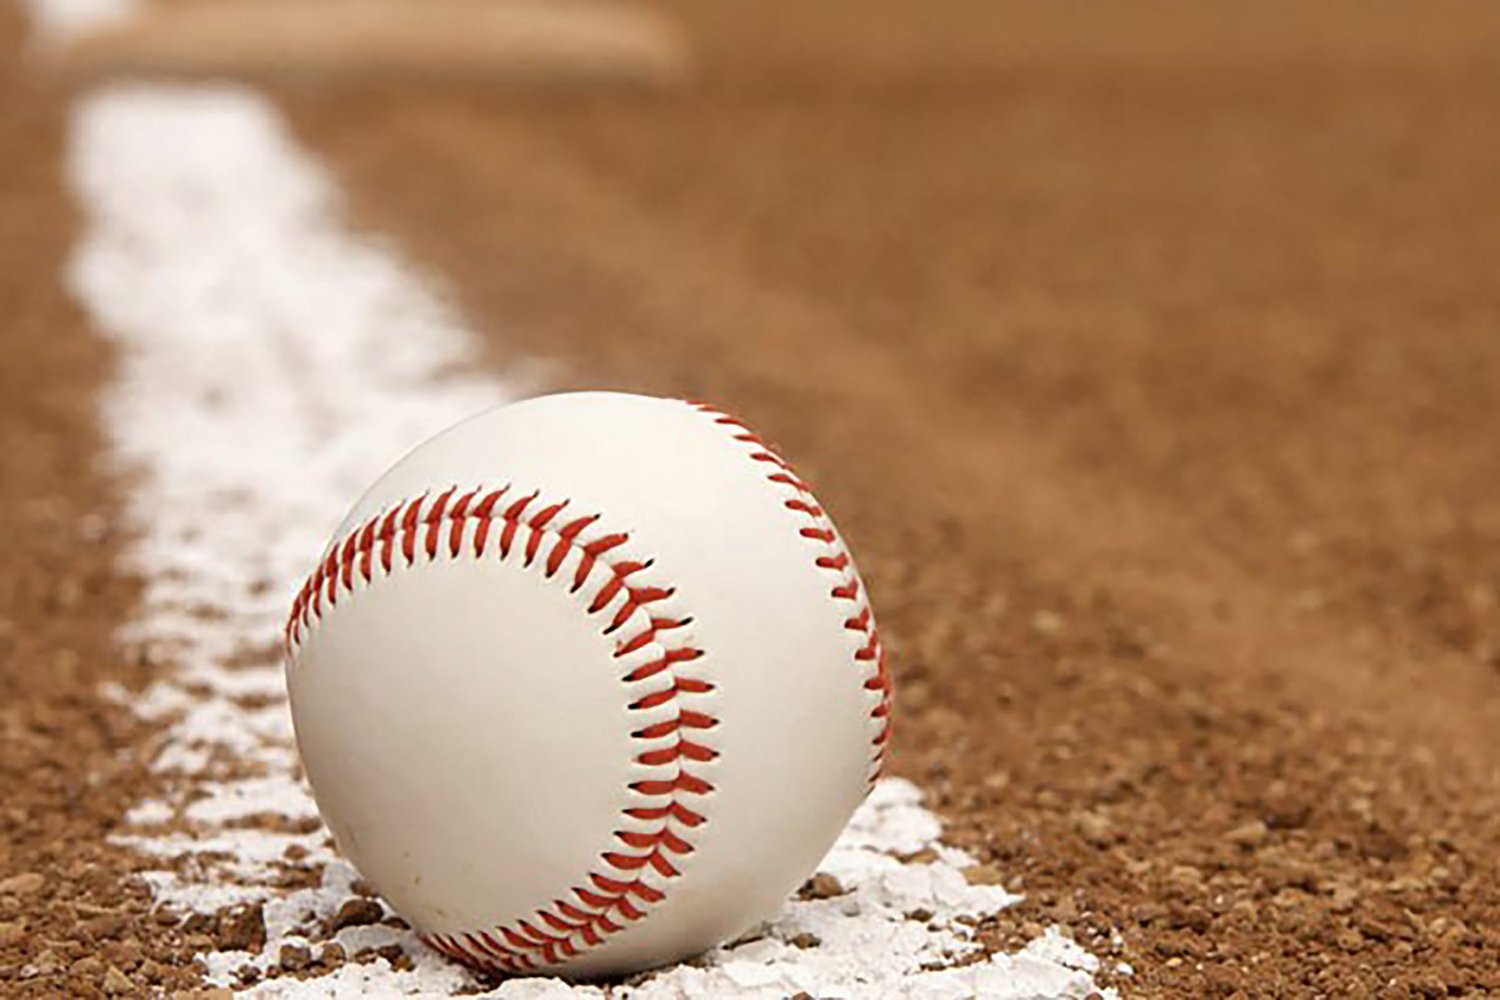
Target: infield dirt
x: 72, y: 919
x: 1148, y: 362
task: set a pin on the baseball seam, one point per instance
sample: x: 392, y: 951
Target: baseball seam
x: 834, y: 558
x: 659, y: 666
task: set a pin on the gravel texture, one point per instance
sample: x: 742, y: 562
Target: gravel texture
x: 1148, y: 360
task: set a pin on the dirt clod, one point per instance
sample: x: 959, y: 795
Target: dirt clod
x: 294, y: 957
x: 985, y: 875
x: 87, y: 967
x: 241, y: 928
x: 104, y: 927
x: 396, y: 956
x: 1251, y: 834
x: 356, y: 913
x: 116, y: 983
x: 821, y: 886
x: 1095, y: 828
x: 24, y: 884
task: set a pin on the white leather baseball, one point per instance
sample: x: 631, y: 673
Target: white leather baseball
x: 587, y: 684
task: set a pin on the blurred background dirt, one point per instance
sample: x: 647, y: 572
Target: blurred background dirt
x: 1147, y: 355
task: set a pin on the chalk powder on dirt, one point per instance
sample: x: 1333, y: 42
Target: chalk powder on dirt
x: 272, y: 364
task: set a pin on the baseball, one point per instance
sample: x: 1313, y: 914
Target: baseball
x: 587, y: 684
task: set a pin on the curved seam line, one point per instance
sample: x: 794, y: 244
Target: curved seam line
x: 607, y: 902
x: 834, y: 558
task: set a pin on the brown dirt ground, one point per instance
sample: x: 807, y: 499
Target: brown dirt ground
x: 72, y: 922
x: 1149, y: 360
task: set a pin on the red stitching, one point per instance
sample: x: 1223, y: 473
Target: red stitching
x: 602, y: 904
x: 870, y: 656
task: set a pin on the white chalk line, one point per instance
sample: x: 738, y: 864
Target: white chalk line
x: 272, y: 364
